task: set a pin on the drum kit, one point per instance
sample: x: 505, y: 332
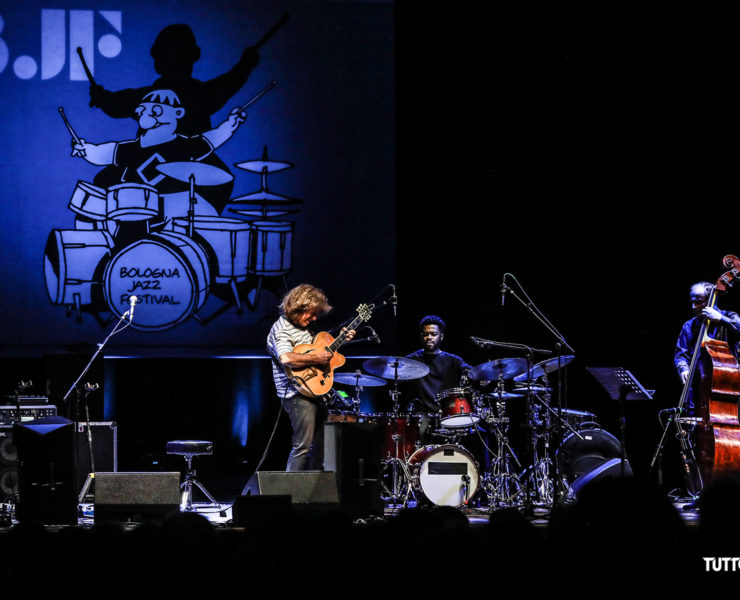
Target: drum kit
x: 173, y: 243
x: 423, y: 457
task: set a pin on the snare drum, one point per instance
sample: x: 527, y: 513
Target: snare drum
x: 445, y: 475
x: 457, y: 408
x: 404, y: 428
x: 132, y: 202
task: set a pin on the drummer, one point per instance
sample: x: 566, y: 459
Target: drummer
x: 158, y: 142
x: 445, y: 370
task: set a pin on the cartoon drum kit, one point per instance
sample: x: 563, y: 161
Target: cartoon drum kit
x: 423, y: 457
x: 126, y: 241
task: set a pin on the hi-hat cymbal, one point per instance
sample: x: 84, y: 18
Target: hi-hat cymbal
x: 259, y: 166
x: 253, y: 214
x: 395, y: 367
x: 204, y: 174
x: 358, y: 379
x: 264, y: 197
x: 501, y: 368
x: 546, y: 366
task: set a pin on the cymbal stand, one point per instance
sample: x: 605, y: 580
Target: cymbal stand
x: 501, y: 483
x: 396, y: 467
x: 545, y: 478
x: 540, y: 479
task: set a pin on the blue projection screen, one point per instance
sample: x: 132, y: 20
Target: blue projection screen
x: 205, y: 219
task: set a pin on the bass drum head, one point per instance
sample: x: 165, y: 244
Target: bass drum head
x: 578, y: 456
x: 169, y: 274
x: 445, y: 475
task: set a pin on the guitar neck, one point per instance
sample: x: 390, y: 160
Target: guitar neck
x: 342, y: 337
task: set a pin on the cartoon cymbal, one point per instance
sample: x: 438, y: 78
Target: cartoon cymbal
x: 202, y: 173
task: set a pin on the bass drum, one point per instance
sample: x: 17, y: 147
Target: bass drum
x: 578, y: 456
x: 169, y: 274
x: 445, y: 475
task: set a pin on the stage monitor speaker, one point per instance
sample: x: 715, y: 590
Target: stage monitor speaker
x: 46, y: 469
x: 353, y: 451
x: 8, y: 464
x: 136, y: 496
x: 609, y: 469
x: 303, y: 487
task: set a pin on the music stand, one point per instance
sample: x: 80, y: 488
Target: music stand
x: 622, y: 386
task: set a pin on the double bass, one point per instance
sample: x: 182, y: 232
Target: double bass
x: 718, y: 428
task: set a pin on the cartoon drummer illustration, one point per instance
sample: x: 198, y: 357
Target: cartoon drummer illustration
x: 157, y: 144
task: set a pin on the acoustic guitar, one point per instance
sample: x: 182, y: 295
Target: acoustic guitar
x: 317, y: 380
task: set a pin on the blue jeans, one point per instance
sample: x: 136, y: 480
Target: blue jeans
x: 307, y: 417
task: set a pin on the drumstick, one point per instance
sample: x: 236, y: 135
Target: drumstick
x: 275, y: 27
x: 84, y: 66
x: 66, y: 122
x: 259, y: 95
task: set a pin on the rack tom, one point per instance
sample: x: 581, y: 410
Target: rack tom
x: 456, y: 407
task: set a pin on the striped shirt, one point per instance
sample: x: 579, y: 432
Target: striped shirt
x: 283, y: 337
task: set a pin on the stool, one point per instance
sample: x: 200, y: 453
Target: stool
x: 188, y: 449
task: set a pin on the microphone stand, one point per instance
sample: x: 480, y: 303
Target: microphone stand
x: 562, y: 343
x: 118, y: 328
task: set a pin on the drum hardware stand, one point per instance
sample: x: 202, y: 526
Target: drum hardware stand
x: 502, y: 484
x: 399, y: 470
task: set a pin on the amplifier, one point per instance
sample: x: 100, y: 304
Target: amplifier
x: 9, y: 413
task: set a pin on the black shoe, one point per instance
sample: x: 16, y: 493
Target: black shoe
x: 693, y: 505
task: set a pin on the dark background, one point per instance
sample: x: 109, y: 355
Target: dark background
x: 588, y: 151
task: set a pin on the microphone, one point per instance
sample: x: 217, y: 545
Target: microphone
x: 393, y: 299
x: 132, y: 302
x: 375, y: 337
x: 503, y: 291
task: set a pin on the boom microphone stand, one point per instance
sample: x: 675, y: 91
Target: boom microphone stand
x: 90, y: 387
x: 560, y: 345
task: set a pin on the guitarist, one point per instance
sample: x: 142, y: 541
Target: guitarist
x: 300, y: 307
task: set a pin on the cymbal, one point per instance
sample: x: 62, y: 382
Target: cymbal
x: 395, y: 367
x: 492, y: 370
x: 259, y: 166
x: 248, y: 214
x: 265, y: 197
x: 502, y: 395
x: 358, y: 379
x: 203, y: 173
x: 546, y: 366
x: 531, y: 389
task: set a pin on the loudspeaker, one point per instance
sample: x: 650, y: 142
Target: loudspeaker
x: 8, y: 464
x: 136, y: 496
x: 353, y: 451
x: 303, y: 487
x: 46, y: 468
x: 104, y: 446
